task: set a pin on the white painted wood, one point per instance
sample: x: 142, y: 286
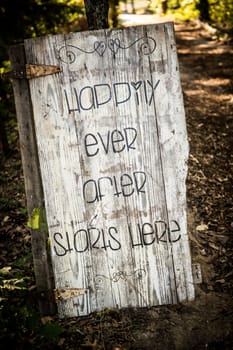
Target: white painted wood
x: 113, y: 152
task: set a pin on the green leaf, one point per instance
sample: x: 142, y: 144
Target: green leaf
x: 38, y: 220
x: 5, y: 270
x: 51, y: 331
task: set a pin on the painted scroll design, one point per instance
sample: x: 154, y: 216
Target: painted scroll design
x: 69, y: 53
x: 119, y: 276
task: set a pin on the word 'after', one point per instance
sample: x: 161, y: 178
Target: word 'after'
x: 124, y: 185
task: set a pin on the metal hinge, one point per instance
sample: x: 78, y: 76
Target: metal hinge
x: 197, y: 275
x: 69, y: 293
x: 30, y: 71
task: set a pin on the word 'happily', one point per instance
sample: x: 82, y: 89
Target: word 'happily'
x: 92, y: 97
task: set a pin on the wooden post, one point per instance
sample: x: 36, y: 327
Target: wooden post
x: 33, y: 186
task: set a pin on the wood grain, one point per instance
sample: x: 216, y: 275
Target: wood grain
x: 33, y: 185
x: 113, y: 152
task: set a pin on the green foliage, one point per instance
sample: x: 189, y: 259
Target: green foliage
x: 51, y: 331
x: 221, y: 13
x: 23, y: 262
x: 7, y: 204
x: 20, y: 323
x: 21, y: 327
x: 184, y: 10
x: 29, y: 18
x: 12, y: 279
x: 25, y: 19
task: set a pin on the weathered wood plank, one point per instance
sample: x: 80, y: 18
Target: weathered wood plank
x: 113, y: 148
x: 33, y: 186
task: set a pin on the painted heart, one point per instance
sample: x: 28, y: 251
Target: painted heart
x: 136, y: 85
x: 114, y: 45
x: 99, y: 47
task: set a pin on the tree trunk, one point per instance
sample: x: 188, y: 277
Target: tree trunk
x: 203, y: 7
x: 164, y: 6
x: 114, y: 12
x: 133, y: 7
x: 97, y: 13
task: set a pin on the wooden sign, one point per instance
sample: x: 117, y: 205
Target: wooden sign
x: 112, y: 145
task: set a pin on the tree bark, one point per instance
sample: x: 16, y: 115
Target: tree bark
x: 97, y: 13
x: 133, y: 7
x: 164, y: 6
x: 113, y: 7
x: 203, y: 7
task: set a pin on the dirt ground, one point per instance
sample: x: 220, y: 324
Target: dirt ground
x: 206, y: 67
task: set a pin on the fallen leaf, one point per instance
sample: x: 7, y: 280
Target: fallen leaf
x: 202, y: 227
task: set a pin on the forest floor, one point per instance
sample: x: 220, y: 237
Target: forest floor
x: 206, y: 67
